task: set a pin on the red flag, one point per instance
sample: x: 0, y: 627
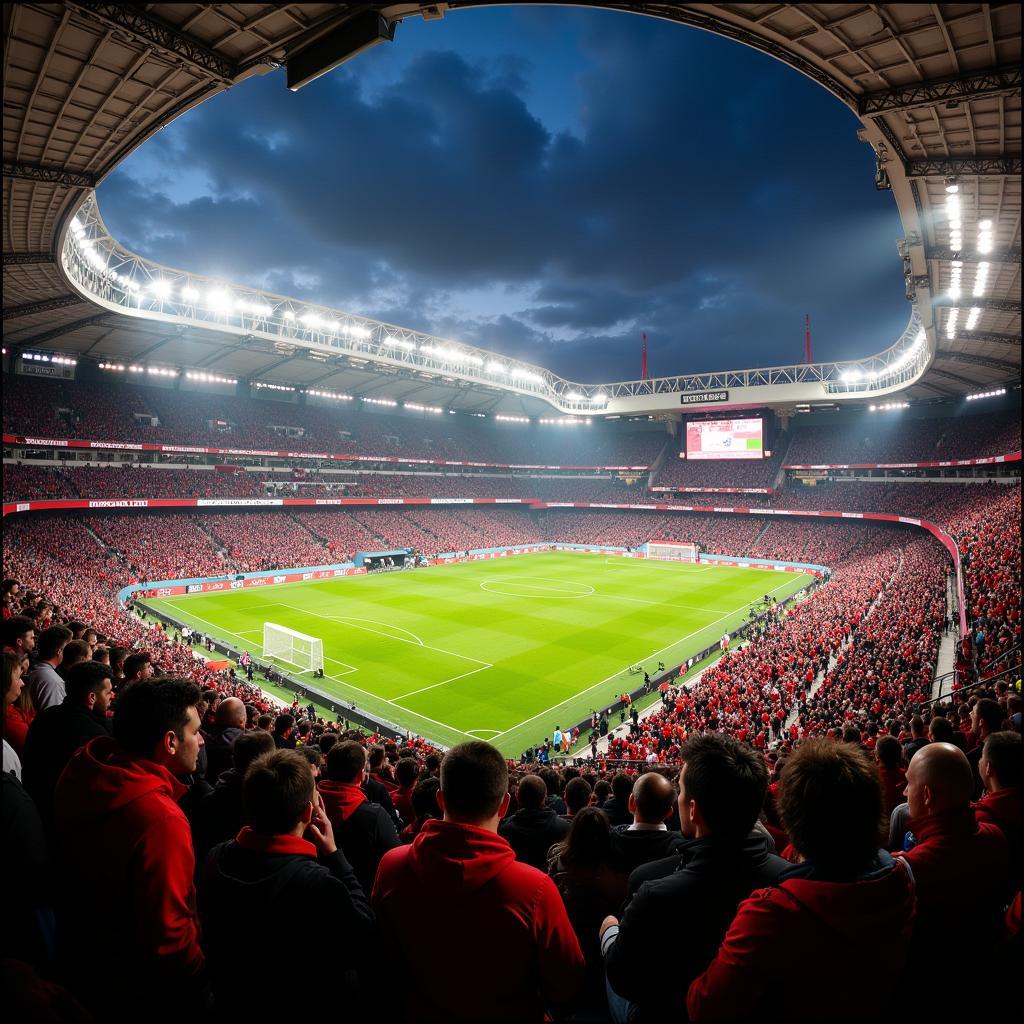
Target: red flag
x: 643, y: 358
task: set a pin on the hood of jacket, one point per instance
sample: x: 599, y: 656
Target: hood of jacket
x: 103, y: 777
x: 1000, y: 808
x: 463, y: 856
x: 879, y: 901
x: 343, y: 798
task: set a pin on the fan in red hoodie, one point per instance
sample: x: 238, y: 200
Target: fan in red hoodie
x: 501, y: 946
x: 126, y: 847
x: 961, y: 868
x: 1000, y: 770
x: 838, y: 921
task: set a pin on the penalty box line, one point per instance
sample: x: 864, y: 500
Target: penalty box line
x: 342, y: 682
x: 614, y: 675
x: 390, y: 636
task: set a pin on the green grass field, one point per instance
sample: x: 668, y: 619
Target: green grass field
x: 501, y: 650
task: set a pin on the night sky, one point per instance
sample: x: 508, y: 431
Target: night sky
x: 545, y: 183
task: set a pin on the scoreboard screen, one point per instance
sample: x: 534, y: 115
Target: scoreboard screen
x: 725, y: 439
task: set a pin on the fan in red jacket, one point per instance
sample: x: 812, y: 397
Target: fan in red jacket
x: 961, y: 868
x: 1000, y: 770
x: 127, y: 852
x: 838, y: 921
x: 501, y: 947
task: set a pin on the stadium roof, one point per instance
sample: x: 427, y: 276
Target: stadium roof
x: 937, y: 89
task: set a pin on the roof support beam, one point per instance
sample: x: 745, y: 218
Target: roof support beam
x: 160, y: 35
x: 22, y: 259
x: 1001, y: 365
x: 43, y: 306
x: 51, y: 174
x: 945, y: 374
x: 1010, y: 256
x: 59, y: 332
x: 951, y: 167
x: 986, y: 338
x: 951, y: 91
x: 985, y: 305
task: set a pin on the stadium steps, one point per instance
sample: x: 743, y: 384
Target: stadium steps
x: 297, y: 520
x: 833, y: 660
x: 948, y: 644
x: 757, y: 540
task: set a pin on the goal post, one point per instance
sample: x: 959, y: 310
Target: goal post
x: 293, y: 648
x: 673, y: 551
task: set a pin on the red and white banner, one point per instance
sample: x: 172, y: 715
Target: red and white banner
x: 269, y: 580
x: 990, y: 460
x: 710, y: 490
x: 177, y: 449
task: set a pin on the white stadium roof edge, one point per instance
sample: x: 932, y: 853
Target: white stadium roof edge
x: 937, y: 89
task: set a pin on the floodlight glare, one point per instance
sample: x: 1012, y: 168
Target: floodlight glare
x: 219, y: 301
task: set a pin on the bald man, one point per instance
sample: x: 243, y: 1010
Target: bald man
x: 961, y: 867
x: 648, y: 838
x: 535, y: 827
x: 228, y: 725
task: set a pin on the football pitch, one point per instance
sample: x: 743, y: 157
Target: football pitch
x: 501, y: 650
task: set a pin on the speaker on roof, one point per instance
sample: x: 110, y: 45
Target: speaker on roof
x: 339, y: 45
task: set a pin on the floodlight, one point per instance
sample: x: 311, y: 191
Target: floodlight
x: 189, y: 294
x: 219, y: 301
x: 161, y: 289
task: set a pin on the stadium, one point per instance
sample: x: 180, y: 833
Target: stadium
x: 333, y: 641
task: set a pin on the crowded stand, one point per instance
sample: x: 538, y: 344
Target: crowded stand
x: 877, y: 439
x: 891, y: 667
x: 797, y: 540
x: 729, y: 473
x: 125, y: 413
x: 156, y: 547
x: 242, y: 539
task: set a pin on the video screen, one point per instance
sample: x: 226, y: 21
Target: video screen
x: 725, y: 439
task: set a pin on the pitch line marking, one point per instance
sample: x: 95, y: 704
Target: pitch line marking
x: 594, y: 686
x: 552, y: 593
x: 474, y: 732
x: 352, y: 686
x: 241, y: 636
x: 423, y: 689
x: 389, y: 636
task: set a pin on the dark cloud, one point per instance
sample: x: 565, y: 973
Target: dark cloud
x: 706, y: 195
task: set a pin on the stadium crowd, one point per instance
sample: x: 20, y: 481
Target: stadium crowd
x: 124, y: 413
x: 876, y: 438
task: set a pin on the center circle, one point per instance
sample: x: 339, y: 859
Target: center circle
x: 537, y: 586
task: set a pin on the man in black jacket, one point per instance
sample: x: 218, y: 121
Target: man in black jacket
x: 283, y: 864
x: 363, y: 829
x: 648, y: 838
x: 721, y: 790
x: 228, y: 725
x: 616, y: 807
x: 218, y: 816
x: 56, y: 733
x: 535, y: 827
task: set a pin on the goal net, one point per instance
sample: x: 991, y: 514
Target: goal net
x: 672, y: 551
x: 293, y: 648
